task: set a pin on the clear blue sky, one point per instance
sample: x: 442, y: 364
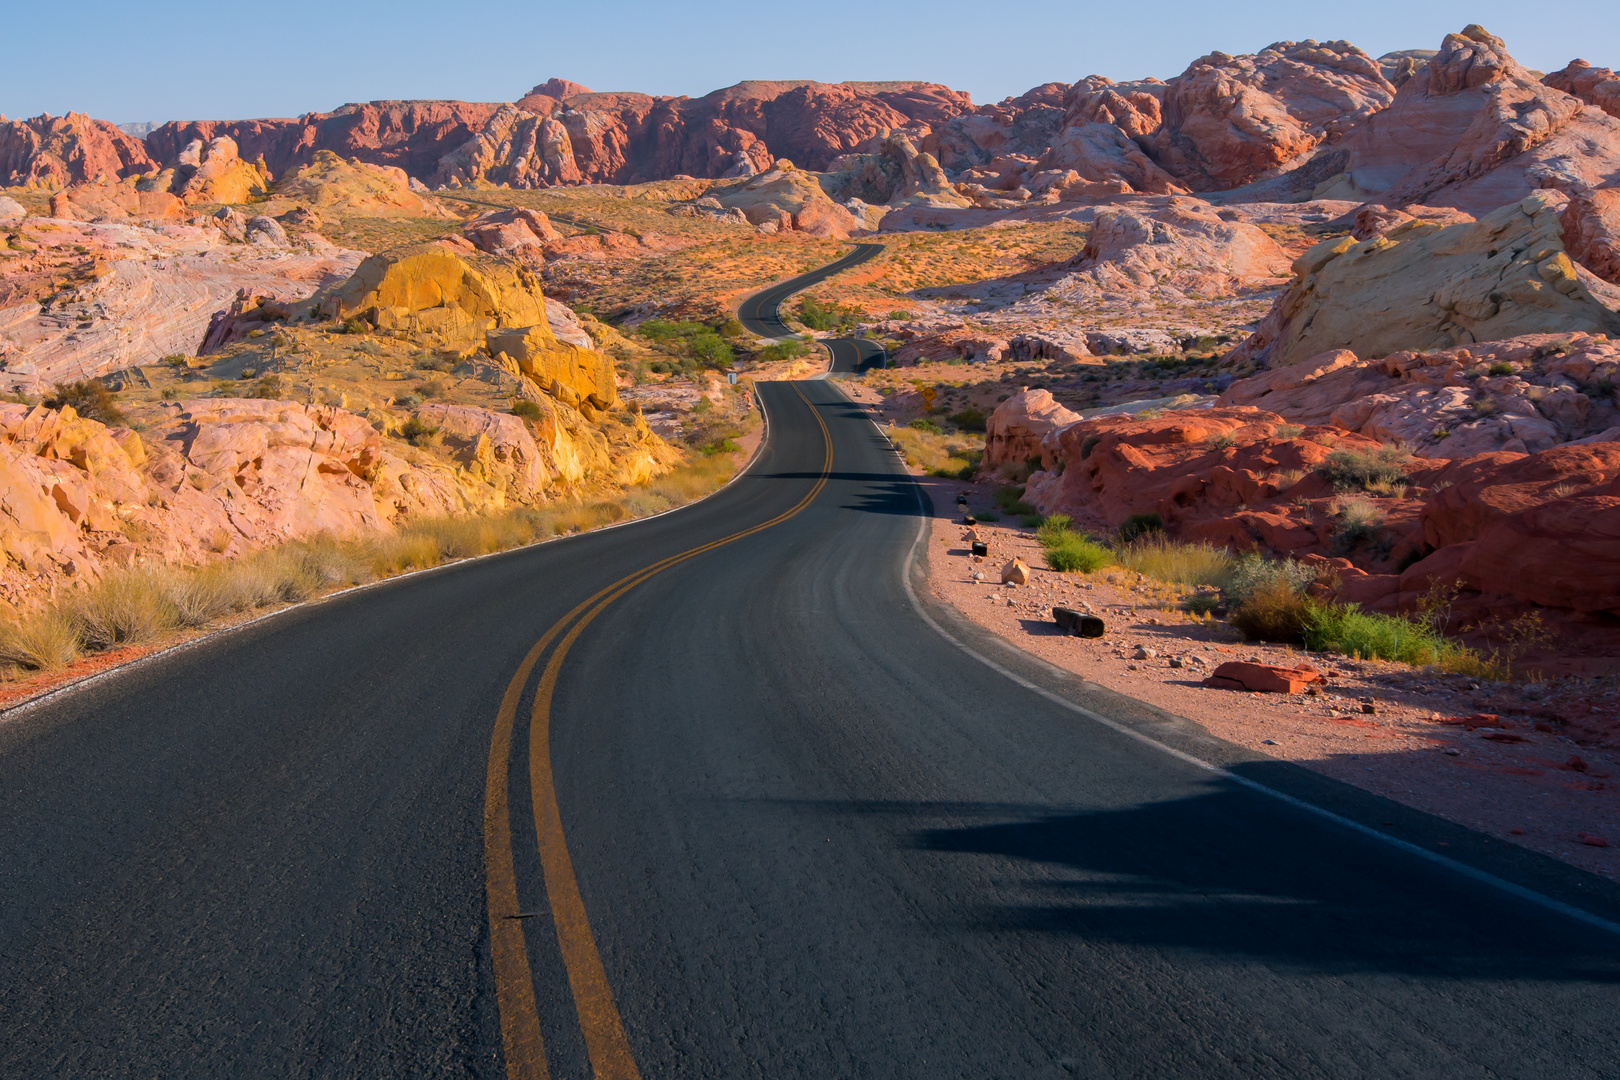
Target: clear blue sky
x: 184, y: 59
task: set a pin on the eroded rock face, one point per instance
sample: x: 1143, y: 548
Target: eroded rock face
x: 1521, y: 395
x: 1229, y: 120
x: 55, y: 151
x: 1592, y: 231
x: 786, y: 199
x: 1184, y: 246
x: 513, y: 149
x: 353, y: 187
x: 410, y: 135
x: 1472, y: 129
x: 147, y: 293
x: 1013, y: 433
x: 1599, y: 87
x: 1422, y: 286
x: 510, y: 232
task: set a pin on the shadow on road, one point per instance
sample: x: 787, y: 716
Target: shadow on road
x: 1220, y: 874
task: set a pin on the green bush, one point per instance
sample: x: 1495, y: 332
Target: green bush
x: 929, y: 426
x: 1139, y: 524
x: 1071, y: 551
x: 1053, y: 527
x: 830, y: 316
x: 529, y: 410
x: 1253, y: 572
x: 90, y: 399
x: 1272, y: 612
x: 969, y: 419
x: 791, y: 349
x: 1346, y: 628
x: 1359, y: 470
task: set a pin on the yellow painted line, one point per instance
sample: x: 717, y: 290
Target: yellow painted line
x: 605, y: 1042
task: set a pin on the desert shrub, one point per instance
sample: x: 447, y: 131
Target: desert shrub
x: 529, y: 410
x: 829, y: 316
x: 39, y: 641
x: 1139, y: 525
x: 1029, y: 521
x: 710, y: 351
x: 1346, y: 628
x: 722, y: 446
x: 950, y: 455
x: 430, y: 362
x: 90, y: 399
x: 1501, y: 367
x: 729, y: 328
x: 1007, y: 495
x: 434, y: 387
x: 1052, y: 527
x: 791, y: 349
x: 1289, y: 431
x: 1221, y: 441
x: 1272, y: 611
x: 1203, y: 603
x: 1071, y: 551
x: 1251, y: 572
x: 122, y: 609
x: 924, y: 424
x: 1163, y: 559
x: 1358, y: 519
x: 969, y: 419
x: 417, y: 433
x: 267, y: 387
x: 1357, y: 470
x: 353, y: 326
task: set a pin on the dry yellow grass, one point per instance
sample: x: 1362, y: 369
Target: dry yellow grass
x: 135, y: 606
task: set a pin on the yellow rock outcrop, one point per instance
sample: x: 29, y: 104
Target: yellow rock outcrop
x: 465, y: 305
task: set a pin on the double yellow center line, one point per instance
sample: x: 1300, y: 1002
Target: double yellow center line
x: 605, y: 1043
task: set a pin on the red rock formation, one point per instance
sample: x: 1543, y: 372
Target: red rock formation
x: 1595, y: 86
x: 412, y: 135
x: 1228, y: 120
x: 1592, y: 231
x: 54, y: 151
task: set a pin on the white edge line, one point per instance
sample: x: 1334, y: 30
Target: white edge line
x: 12, y: 712
x: 1481, y: 876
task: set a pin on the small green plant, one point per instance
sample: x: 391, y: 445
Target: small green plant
x: 354, y: 326
x: 529, y: 410
x: 723, y: 446
x: 924, y: 424
x: 1221, y: 440
x: 1289, y: 431
x: 1483, y: 406
x: 1501, y: 367
x: 1357, y: 470
x: 90, y: 399
x: 1202, y: 603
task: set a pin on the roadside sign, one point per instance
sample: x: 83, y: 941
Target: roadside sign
x: 928, y: 395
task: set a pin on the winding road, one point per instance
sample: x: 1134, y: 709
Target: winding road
x: 761, y: 313
x: 724, y: 793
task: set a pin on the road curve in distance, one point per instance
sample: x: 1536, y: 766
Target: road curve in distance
x: 761, y: 313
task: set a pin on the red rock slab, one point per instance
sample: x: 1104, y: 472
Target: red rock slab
x: 1262, y: 678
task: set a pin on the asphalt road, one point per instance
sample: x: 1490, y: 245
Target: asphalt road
x: 761, y: 313
x: 804, y: 834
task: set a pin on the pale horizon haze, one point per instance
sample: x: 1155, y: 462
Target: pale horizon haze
x: 202, y: 62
